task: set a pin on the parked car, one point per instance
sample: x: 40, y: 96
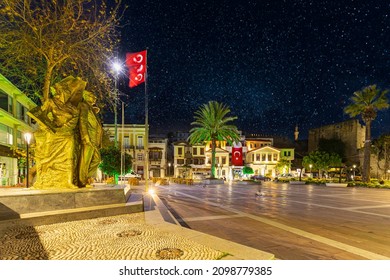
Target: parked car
x: 132, y: 174
x: 260, y: 178
x: 286, y: 176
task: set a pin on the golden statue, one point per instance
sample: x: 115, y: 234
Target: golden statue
x: 91, y: 133
x: 67, y: 139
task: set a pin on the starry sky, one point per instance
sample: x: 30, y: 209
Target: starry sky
x: 274, y: 63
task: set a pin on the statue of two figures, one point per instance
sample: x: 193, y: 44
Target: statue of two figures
x: 69, y: 137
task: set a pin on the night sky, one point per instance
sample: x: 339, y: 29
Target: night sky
x: 274, y: 63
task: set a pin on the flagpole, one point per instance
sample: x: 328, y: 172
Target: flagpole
x: 138, y: 74
x: 146, y: 129
x: 122, y: 141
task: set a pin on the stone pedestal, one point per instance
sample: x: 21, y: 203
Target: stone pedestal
x: 37, y: 207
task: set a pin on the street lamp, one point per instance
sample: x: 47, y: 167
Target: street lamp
x: 169, y: 168
x: 27, y: 137
x: 354, y: 167
x: 310, y: 166
x: 117, y: 67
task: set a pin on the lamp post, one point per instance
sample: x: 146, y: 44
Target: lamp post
x: 116, y: 66
x: 169, y: 168
x: 310, y: 166
x: 354, y: 167
x: 27, y: 137
x: 117, y: 69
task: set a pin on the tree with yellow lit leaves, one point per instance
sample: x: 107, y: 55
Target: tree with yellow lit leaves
x: 43, y: 41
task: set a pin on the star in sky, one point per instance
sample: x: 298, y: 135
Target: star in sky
x: 274, y: 63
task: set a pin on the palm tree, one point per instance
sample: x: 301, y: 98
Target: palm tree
x: 211, y: 124
x: 366, y: 103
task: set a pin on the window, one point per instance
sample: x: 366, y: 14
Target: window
x: 263, y: 156
x: 202, y: 151
x: 155, y: 155
x: 257, y: 157
x: 140, y: 157
x: 198, y: 161
x: 6, y: 134
x: 275, y: 157
x: 5, y: 102
x: 194, y: 151
x: 140, y: 141
x: 287, y: 153
x: 180, y: 161
x: 21, y: 112
x: 126, y: 142
x: 269, y: 157
x: 180, y: 151
x: 223, y: 160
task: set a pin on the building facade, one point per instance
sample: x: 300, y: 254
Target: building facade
x: 263, y: 160
x: 194, y: 161
x: 131, y: 137
x: 14, y: 122
x: 158, y: 164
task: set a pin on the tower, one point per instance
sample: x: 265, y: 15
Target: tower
x: 296, y: 133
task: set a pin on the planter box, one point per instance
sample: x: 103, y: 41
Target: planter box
x: 337, y: 185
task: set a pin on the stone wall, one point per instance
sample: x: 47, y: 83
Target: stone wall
x: 351, y: 132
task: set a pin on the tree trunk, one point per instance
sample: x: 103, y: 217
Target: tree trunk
x: 367, y: 153
x: 213, y: 150
x: 46, y: 83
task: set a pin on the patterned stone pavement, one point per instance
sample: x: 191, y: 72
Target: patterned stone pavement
x: 149, y: 235
x: 122, y: 237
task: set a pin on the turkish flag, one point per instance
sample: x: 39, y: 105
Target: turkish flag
x: 237, y: 156
x: 136, y: 62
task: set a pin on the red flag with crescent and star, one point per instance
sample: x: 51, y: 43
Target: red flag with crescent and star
x: 136, y: 62
x: 237, y: 155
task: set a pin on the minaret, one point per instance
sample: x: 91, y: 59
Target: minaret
x: 296, y: 133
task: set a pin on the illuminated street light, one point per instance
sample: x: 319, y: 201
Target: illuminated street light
x: 117, y: 67
x: 310, y: 166
x: 169, y: 168
x: 27, y: 137
x: 354, y: 167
